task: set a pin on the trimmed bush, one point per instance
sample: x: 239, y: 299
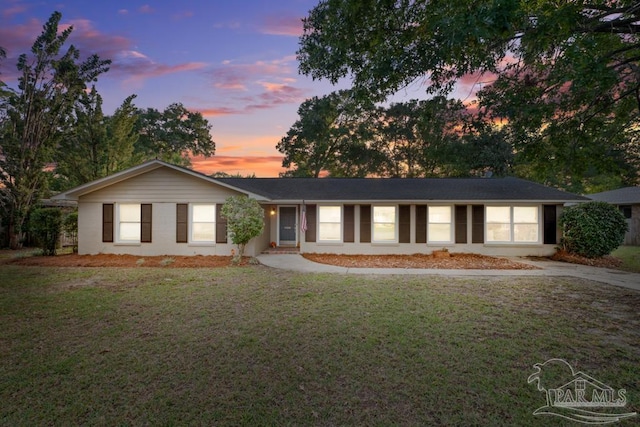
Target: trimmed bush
x: 592, y: 229
x: 45, y: 225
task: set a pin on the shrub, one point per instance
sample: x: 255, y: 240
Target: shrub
x: 45, y: 225
x: 592, y: 229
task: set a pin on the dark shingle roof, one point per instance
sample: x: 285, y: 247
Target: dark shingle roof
x: 621, y: 196
x: 378, y: 189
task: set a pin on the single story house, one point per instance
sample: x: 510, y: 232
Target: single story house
x: 157, y: 208
x: 628, y: 201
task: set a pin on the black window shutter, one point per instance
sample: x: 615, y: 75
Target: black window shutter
x: 404, y: 226
x: 477, y: 224
x: 145, y: 223
x: 310, y: 234
x: 221, y: 226
x: 348, y: 225
x: 107, y: 222
x: 182, y: 221
x: 365, y: 223
x: 461, y: 223
x: 550, y: 225
x: 421, y: 224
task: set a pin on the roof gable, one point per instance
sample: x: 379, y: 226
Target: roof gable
x: 127, y: 174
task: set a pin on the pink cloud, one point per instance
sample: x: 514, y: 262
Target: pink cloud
x: 231, y: 76
x: 216, y: 111
x: 14, y: 10
x: 283, y: 26
x: 261, y: 166
x: 17, y: 39
x: 145, y: 9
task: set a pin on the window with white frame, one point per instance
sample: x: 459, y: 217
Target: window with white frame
x: 513, y: 224
x: 439, y: 227
x: 203, y: 223
x: 330, y: 223
x: 525, y: 224
x: 385, y: 224
x: 129, y: 218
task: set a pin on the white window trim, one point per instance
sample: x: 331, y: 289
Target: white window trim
x: 451, y: 225
x: 191, y: 228
x: 512, y: 240
x: 118, y: 240
x: 341, y: 223
x: 396, y: 224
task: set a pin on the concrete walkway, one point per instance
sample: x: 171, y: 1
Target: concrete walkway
x: 296, y: 262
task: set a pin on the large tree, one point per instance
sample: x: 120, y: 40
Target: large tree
x: 173, y: 135
x: 566, y: 73
x: 331, y: 136
x: 36, y: 114
x: 96, y: 145
x: 418, y: 138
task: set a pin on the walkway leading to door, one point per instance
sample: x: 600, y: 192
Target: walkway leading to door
x: 296, y: 262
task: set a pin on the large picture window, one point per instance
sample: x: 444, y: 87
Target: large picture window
x: 385, y: 224
x: 129, y: 218
x: 439, y: 228
x: 203, y: 223
x: 329, y: 223
x: 512, y: 224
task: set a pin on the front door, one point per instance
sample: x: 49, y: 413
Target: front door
x: 287, y: 227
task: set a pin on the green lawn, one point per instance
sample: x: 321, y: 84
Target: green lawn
x: 630, y: 256
x: 254, y: 346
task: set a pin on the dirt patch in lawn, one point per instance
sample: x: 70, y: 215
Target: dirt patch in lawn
x: 454, y: 261
x: 108, y: 260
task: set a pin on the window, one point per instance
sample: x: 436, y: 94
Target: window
x: 329, y: 223
x: 498, y: 224
x: 129, y: 219
x: 512, y: 224
x: 525, y: 224
x: 625, y: 210
x: 439, y: 224
x: 203, y: 223
x: 385, y: 228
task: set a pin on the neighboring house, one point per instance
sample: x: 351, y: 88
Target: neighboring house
x: 628, y: 201
x: 161, y: 209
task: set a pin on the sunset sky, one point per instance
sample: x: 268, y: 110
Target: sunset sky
x: 234, y: 61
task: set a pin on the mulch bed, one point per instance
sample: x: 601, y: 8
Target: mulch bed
x: 607, y: 261
x: 455, y: 261
x: 108, y: 260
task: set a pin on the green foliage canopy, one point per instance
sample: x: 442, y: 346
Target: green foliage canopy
x: 562, y: 75
x: 173, y: 134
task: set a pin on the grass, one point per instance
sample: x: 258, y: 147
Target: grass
x: 630, y: 256
x: 254, y: 346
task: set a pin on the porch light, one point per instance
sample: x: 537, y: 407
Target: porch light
x: 273, y: 211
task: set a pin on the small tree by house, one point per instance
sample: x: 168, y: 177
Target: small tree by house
x: 245, y: 220
x: 592, y: 229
